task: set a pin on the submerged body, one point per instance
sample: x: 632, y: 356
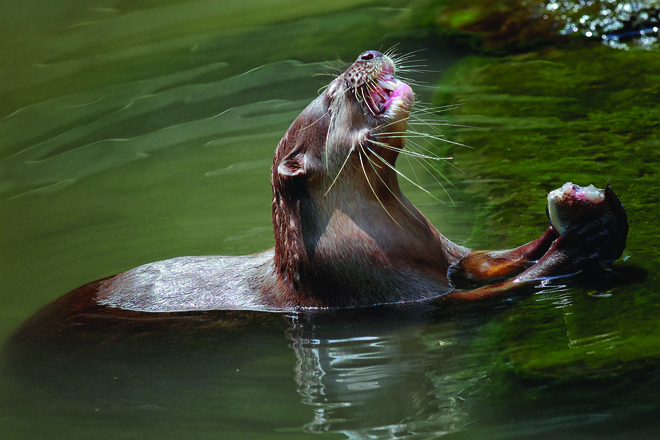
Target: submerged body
x: 345, y: 235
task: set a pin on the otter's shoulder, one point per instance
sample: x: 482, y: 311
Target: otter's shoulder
x: 190, y: 284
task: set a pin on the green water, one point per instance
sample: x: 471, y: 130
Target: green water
x: 137, y: 131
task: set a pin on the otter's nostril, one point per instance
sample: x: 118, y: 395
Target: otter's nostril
x: 370, y: 55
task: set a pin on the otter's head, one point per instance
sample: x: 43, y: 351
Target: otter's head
x: 364, y: 111
x: 349, y: 138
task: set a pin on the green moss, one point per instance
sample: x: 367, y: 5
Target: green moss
x: 587, y: 115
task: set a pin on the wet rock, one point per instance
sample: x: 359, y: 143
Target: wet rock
x: 513, y: 25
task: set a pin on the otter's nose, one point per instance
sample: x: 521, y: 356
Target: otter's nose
x: 369, y: 55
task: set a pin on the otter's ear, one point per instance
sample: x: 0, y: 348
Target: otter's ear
x: 293, y: 165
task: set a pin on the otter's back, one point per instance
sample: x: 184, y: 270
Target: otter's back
x: 190, y: 283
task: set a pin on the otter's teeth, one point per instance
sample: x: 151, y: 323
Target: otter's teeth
x: 382, y: 93
x: 388, y: 85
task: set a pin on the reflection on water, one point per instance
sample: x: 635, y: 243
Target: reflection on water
x: 358, y: 379
x: 382, y: 373
x: 387, y: 373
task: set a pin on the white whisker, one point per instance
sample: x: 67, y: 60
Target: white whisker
x: 320, y: 117
x: 372, y: 163
x: 405, y: 57
x: 404, y: 176
x: 396, y: 121
x: 338, y: 172
x: 426, y: 136
x: 407, y: 156
x: 372, y: 188
x: 422, y: 109
x: 406, y: 152
x: 443, y: 159
x: 444, y: 189
x: 439, y: 122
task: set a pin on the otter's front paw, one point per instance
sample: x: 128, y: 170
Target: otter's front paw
x: 593, y: 243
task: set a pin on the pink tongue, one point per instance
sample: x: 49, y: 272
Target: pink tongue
x: 401, y: 89
x: 383, y: 102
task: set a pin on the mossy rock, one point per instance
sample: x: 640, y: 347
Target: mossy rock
x: 586, y: 114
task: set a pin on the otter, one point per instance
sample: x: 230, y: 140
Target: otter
x: 345, y: 235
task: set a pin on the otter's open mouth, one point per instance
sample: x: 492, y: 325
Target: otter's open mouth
x: 387, y: 92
